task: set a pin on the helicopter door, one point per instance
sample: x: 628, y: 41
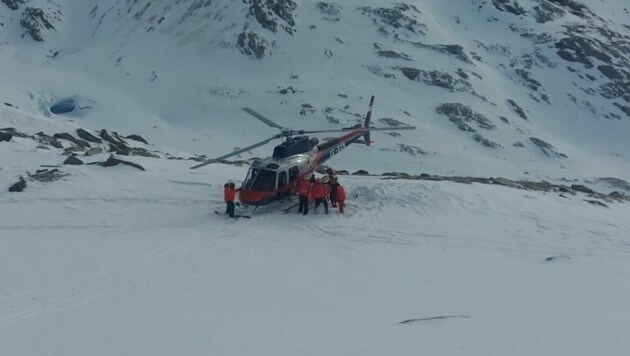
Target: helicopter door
x: 283, y: 187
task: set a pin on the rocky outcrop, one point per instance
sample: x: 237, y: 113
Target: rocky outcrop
x: 19, y: 186
x: 547, y: 148
x: 13, y: 4
x: 113, y: 161
x: 35, y: 20
x: 273, y: 13
x: 396, y: 20
x: 5, y: 136
x: 88, y: 136
x: 252, y: 45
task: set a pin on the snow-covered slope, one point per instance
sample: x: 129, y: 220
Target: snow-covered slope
x: 120, y: 261
x: 488, y: 84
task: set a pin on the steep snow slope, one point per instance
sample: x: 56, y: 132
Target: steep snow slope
x: 178, y: 75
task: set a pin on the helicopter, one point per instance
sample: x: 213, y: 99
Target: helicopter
x: 275, y: 178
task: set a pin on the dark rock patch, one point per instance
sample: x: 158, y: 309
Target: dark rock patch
x: 34, y: 20
x: 47, y: 175
x: 462, y: 116
x: 137, y: 138
x: 557, y: 258
x: 582, y: 188
x: 517, y: 109
x: 547, y: 148
x: 19, y: 186
x: 509, y: 6
x: 330, y: 10
x: 485, y: 142
x: 13, y: 4
x: 393, y: 54
x: 453, y: 50
x: 88, y: 136
x: 596, y: 203
x: 113, y: 161
x: 73, y: 160
x: 360, y: 172
x: 68, y: 137
x: 116, y: 143
x: 436, y: 78
x: 269, y: 13
x: 93, y: 151
x: 399, y: 17
x: 252, y: 45
x: 5, y: 136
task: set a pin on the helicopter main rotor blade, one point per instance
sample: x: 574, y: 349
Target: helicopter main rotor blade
x: 355, y: 128
x: 239, y: 151
x: 262, y: 118
x: 395, y: 128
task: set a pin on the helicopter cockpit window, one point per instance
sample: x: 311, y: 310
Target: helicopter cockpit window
x: 294, y: 173
x: 251, y: 177
x: 262, y: 180
x: 282, y: 179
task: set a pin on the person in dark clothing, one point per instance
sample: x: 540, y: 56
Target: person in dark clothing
x: 320, y: 194
x: 229, y: 194
x: 304, y: 190
x: 333, y: 182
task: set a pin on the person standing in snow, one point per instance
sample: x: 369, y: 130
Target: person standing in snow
x: 320, y: 194
x: 333, y: 182
x: 229, y: 194
x: 304, y: 190
x: 341, y: 197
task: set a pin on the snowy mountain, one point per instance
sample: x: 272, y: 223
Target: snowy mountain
x: 513, y: 87
x: 504, y: 231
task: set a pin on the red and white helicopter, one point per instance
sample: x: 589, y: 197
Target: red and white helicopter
x: 276, y: 177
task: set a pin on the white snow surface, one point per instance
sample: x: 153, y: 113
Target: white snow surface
x: 118, y: 261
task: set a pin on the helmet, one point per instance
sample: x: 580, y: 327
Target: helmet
x: 230, y: 182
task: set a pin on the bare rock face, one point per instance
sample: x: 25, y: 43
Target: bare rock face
x: 547, y: 148
x: 5, y: 136
x: 35, y: 20
x: 13, y: 4
x: 19, y: 186
x: 73, y: 160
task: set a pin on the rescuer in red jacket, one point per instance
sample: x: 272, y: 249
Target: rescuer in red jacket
x: 229, y: 194
x: 341, y: 197
x: 320, y: 194
x: 304, y: 190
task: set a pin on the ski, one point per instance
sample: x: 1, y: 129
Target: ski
x: 235, y: 216
x: 286, y: 210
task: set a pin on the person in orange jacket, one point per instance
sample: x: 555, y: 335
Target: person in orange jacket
x: 333, y: 182
x: 320, y: 194
x: 304, y: 190
x: 341, y: 197
x: 229, y: 194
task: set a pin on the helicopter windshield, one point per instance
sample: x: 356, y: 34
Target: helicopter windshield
x: 260, y: 180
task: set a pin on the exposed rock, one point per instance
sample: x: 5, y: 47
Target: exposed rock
x: 251, y: 44
x: 112, y: 161
x: 34, y: 20
x: 507, y: 5
x: 436, y: 78
x: 73, y: 160
x: 400, y: 17
x: 88, y: 136
x: 485, y: 142
x: 516, y: 108
x: 13, y: 4
x: 94, y: 151
x: 462, y: 115
x: 394, y: 54
x: 360, y: 172
x: 453, y: 50
x: 330, y: 10
x: 5, y: 136
x: 557, y: 258
x: 139, y: 151
x: 116, y: 143
x: 269, y: 13
x: 46, y: 175
x: 582, y: 188
x: 596, y: 203
x: 547, y: 148
x: 137, y: 138
x: 19, y: 186
x: 69, y: 137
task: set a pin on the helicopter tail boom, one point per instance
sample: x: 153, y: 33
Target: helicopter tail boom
x: 366, y: 124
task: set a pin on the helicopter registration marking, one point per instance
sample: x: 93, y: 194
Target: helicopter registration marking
x: 336, y: 149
